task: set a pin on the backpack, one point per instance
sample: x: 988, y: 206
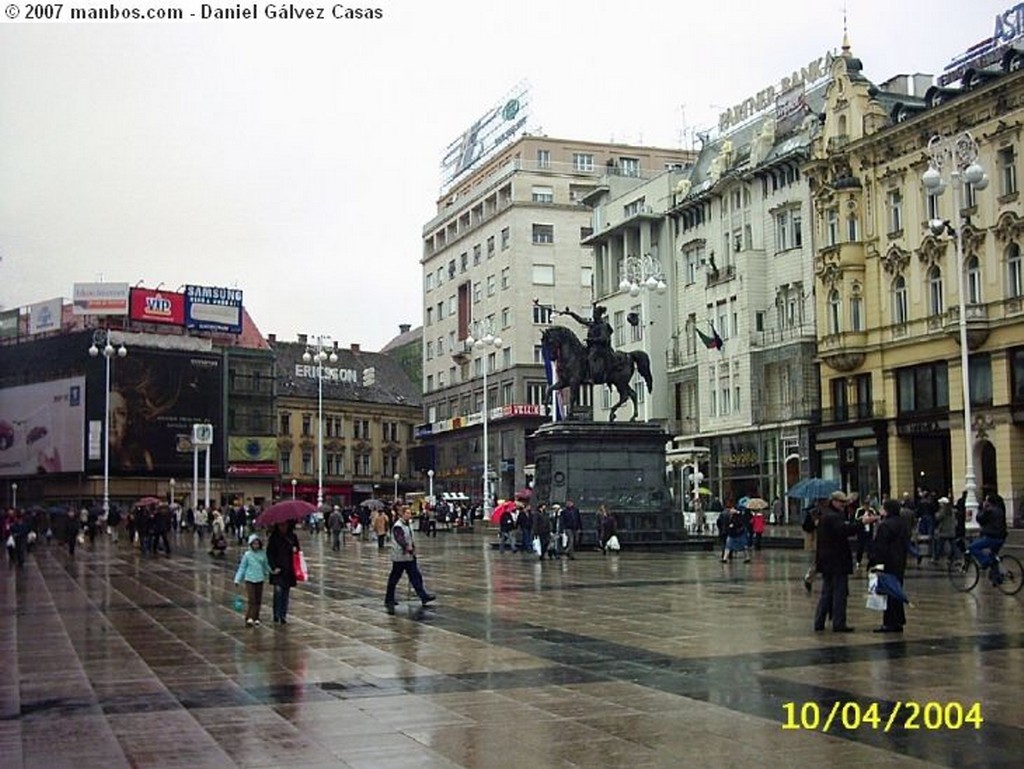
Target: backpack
x: 808, y: 522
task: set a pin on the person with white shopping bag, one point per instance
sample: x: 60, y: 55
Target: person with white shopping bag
x: 889, y: 554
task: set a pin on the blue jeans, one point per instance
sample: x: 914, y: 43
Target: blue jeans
x: 984, y: 549
x: 281, y: 593
x: 508, y: 540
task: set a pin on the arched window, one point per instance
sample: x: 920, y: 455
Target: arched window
x: 856, y: 312
x: 899, y: 300
x: 973, y: 270
x: 936, y: 304
x: 852, y: 234
x: 835, y: 312
x: 1014, y: 276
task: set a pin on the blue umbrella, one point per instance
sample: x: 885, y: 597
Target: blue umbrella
x: 890, y: 586
x: 813, y: 488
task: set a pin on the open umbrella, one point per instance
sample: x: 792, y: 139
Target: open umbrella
x: 756, y: 503
x: 500, y: 510
x: 148, y: 502
x: 372, y: 504
x: 813, y: 488
x: 287, y: 510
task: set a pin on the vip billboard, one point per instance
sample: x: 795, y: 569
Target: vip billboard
x: 155, y: 398
x: 209, y: 308
x: 149, y: 306
x: 42, y: 428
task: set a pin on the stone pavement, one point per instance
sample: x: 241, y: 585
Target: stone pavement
x: 633, y: 660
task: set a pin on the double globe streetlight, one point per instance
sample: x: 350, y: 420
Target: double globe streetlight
x: 320, y: 356
x: 642, y: 275
x: 104, y: 337
x: 485, y: 344
x: 958, y: 157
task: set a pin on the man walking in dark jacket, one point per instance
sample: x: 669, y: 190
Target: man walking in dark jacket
x: 835, y: 562
x: 889, y: 550
x: 572, y: 527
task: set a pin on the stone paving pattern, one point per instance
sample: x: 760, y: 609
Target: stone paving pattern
x: 632, y: 660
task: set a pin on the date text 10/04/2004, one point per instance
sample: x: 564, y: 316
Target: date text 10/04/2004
x: 907, y: 715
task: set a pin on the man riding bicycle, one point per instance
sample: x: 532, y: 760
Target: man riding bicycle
x: 992, y: 519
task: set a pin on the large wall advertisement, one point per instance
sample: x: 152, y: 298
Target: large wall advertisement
x: 42, y: 428
x: 155, y: 398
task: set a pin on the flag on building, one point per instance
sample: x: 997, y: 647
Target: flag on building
x: 557, y: 408
x: 713, y: 342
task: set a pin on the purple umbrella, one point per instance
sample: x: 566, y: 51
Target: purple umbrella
x: 288, y: 510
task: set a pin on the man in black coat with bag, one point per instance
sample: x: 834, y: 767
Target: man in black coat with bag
x: 834, y: 561
x: 889, y: 550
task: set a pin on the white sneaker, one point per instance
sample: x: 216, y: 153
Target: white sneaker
x: 256, y: 622
x: 249, y: 623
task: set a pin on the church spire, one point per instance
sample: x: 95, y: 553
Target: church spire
x: 846, y: 35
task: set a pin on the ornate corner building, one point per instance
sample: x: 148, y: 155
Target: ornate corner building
x: 887, y: 287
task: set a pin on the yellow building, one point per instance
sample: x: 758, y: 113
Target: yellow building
x: 888, y: 289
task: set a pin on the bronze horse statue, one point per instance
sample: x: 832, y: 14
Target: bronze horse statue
x: 572, y: 368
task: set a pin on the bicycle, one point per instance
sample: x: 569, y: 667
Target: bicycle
x: 1005, y: 571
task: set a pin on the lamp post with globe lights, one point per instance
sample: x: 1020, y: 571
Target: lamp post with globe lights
x: 956, y: 158
x: 396, y: 478
x: 319, y: 355
x: 294, y: 484
x: 485, y: 344
x: 642, y: 275
x: 430, y: 480
x: 104, y: 337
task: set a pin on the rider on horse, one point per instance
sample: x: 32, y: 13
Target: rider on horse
x: 599, y: 342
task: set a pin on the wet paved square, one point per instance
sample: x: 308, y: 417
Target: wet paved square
x: 634, y: 660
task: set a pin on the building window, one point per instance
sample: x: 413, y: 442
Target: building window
x: 979, y: 368
x: 361, y: 429
x: 543, y: 274
x: 490, y: 247
x: 636, y: 332
x: 506, y: 317
x: 619, y: 326
x: 307, y: 463
x: 463, y: 261
x: 1014, y: 276
x: 895, y: 212
x: 285, y: 427
x: 935, y: 299
x: 586, y: 276
x: 478, y: 253
x: 832, y: 227
x: 429, y: 281
x: 490, y: 285
x: 1016, y: 363
x: 504, y: 278
x: 1007, y: 161
x: 852, y: 234
x: 477, y: 292
x: 542, y: 314
x: 856, y: 313
x: 543, y: 233
x: 536, y: 393
x: 788, y: 230
x: 922, y: 388
x: 931, y: 200
x: 633, y: 208
x: 629, y: 166
x: 505, y: 238
x: 430, y: 316
x: 840, y: 407
x: 899, y: 301
x: 307, y: 425
x: 582, y: 161
x: 835, y: 312
x: 973, y: 270
x: 543, y: 158
x: 543, y: 195
x: 286, y: 462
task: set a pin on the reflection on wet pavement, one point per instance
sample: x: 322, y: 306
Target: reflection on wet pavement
x: 638, y: 660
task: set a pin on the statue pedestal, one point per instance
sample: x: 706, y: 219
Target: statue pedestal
x: 618, y: 464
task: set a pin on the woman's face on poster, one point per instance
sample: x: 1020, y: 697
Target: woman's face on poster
x: 118, y: 418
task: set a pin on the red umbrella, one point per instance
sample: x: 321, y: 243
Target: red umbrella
x: 148, y: 502
x: 288, y: 510
x: 500, y: 510
x: 524, y: 494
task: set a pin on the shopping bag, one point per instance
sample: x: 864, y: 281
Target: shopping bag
x: 563, y: 540
x: 536, y: 545
x: 299, y: 566
x: 876, y: 601
x: 238, y: 603
x: 613, y: 543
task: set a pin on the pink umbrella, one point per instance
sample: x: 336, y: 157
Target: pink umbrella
x: 288, y: 510
x: 501, y: 509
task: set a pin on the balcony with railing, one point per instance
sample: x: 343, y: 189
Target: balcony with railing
x: 853, y: 412
x: 720, y: 275
x: 976, y: 317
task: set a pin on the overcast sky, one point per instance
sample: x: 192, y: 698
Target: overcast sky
x: 298, y: 160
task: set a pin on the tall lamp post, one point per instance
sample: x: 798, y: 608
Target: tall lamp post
x: 396, y: 477
x: 956, y: 158
x: 430, y: 480
x: 320, y: 356
x: 294, y: 484
x: 485, y: 344
x: 14, y: 494
x: 171, y: 485
x: 640, y: 276
x: 103, y: 336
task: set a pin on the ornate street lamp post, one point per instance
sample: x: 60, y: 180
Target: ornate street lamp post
x: 430, y: 480
x: 485, y: 344
x: 640, y: 276
x: 319, y: 356
x: 103, y: 336
x: 396, y: 477
x: 957, y: 157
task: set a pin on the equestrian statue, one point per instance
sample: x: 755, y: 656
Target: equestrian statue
x: 595, y: 363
